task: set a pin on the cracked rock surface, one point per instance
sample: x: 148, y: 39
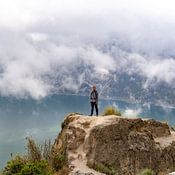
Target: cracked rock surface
x: 122, y: 145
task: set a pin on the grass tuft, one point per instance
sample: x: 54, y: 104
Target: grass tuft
x: 111, y: 110
x: 146, y: 172
x: 106, y: 169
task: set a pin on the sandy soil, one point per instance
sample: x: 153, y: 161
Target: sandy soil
x: 165, y: 141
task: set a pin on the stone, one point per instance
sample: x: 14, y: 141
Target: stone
x: 125, y: 145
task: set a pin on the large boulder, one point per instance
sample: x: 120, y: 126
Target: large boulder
x: 116, y: 145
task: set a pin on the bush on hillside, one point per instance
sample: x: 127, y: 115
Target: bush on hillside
x: 14, y: 166
x: 39, y: 160
x: 39, y: 168
x: 58, y: 161
x: 146, y: 172
x: 106, y: 169
x: 19, y: 166
x: 34, y: 151
x: 111, y: 110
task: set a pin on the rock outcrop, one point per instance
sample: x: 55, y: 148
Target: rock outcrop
x: 116, y: 145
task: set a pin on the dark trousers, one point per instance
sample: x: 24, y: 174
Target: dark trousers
x: 92, y: 108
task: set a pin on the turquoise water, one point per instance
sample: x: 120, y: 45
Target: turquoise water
x: 42, y: 119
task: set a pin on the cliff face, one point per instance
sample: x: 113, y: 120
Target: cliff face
x: 116, y: 145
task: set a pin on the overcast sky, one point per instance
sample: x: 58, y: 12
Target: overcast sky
x: 23, y: 13
x: 36, y: 36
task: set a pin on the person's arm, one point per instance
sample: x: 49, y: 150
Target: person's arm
x: 96, y: 96
x: 90, y: 96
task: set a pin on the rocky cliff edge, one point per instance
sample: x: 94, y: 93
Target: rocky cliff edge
x: 116, y: 145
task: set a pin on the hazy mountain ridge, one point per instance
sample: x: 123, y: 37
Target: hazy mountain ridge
x: 118, y: 68
x: 125, y: 81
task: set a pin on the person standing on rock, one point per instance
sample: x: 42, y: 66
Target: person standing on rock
x: 94, y: 100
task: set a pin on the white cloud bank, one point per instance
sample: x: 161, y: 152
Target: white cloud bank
x: 132, y: 113
x: 43, y: 37
x: 24, y: 65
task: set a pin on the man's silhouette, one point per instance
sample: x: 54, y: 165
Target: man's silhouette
x: 94, y: 100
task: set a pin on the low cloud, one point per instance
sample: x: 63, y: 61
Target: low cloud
x: 40, y: 46
x: 154, y: 69
x: 25, y: 67
x: 132, y: 113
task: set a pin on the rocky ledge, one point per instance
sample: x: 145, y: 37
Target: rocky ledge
x: 116, y: 145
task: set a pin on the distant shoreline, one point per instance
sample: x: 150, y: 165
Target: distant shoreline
x: 101, y: 97
x: 120, y: 99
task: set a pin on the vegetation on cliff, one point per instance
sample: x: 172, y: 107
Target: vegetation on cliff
x: 39, y: 160
x: 146, y: 172
x: 111, y: 110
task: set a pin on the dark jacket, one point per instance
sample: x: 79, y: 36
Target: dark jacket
x: 94, y: 96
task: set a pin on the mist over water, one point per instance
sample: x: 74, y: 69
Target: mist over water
x: 42, y: 119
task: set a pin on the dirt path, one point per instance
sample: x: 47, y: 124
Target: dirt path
x: 165, y: 141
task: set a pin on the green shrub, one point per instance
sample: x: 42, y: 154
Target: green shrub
x: 14, y: 166
x: 19, y: 166
x: 37, y: 152
x: 106, y: 169
x: 47, y: 150
x: 34, y: 151
x: 39, y: 160
x: 64, y: 170
x: 111, y: 110
x: 146, y: 172
x: 59, y: 160
x: 38, y: 168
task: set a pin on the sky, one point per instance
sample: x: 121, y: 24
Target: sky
x: 48, y: 37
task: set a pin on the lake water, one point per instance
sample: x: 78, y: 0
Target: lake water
x: 42, y: 119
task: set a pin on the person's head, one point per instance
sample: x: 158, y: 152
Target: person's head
x: 93, y: 87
